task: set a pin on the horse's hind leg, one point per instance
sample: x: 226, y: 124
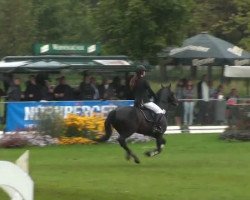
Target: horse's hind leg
x: 122, y: 142
x: 160, y: 143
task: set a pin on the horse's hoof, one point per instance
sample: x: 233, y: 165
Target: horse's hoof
x: 151, y: 153
x: 137, y: 161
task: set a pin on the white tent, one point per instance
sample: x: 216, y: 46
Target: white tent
x: 10, y: 65
x: 23, y: 66
x: 237, y: 71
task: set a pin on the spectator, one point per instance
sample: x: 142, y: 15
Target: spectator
x: 29, y: 80
x: 63, y: 92
x: 41, y: 78
x: 232, y: 98
x: 179, y: 95
x: 47, y: 91
x: 115, y: 84
x: 94, y: 86
x: 33, y: 91
x: 203, y: 96
x: 233, y: 111
x: 119, y: 87
x: 211, y: 104
x: 7, y: 81
x: 123, y: 90
x: 188, y: 104
x: 87, y: 91
x: 106, y: 90
x: 220, y: 105
x: 2, y: 93
x: 14, y: 92
x: 2, y: 106
x: 212, y: 90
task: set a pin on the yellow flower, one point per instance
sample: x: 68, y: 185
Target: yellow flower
x: 84, y: 124
x: 75, y: 140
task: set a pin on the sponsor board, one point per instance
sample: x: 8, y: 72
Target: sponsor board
x: 24, y: 115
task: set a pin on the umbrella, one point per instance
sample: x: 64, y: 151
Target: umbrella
x: 205, y: 49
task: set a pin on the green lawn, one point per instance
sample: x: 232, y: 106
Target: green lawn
x: 192, y: 167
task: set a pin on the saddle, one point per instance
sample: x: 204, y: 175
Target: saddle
x: 148, y: 114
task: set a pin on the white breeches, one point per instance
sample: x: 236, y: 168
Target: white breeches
x: 152, y: 106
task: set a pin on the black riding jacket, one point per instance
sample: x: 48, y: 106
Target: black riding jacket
x: 142, y: 91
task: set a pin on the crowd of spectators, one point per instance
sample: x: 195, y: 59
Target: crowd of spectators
x: 39, y: 88
x: 202, y: 103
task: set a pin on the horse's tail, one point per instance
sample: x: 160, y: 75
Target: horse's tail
x: 108, y: 127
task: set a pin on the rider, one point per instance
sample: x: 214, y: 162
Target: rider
x: 142, y: 92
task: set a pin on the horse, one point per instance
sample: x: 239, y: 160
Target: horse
x: 129, y: 120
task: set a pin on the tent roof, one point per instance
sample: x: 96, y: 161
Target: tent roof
x: 60, y: 62
x: 237, y: 71
x: 12, y: 64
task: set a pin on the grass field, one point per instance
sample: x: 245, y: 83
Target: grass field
x: 192, y: 167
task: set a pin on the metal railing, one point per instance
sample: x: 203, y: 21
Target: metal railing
x: 229, y: 114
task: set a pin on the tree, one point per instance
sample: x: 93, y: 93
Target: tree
x: 139, y: 28
x: 17, y: 27
x: 64, y: 21
x: 225, y: 19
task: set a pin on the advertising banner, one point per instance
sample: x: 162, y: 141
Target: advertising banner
x: 66, y: 49
x: 24, y: 115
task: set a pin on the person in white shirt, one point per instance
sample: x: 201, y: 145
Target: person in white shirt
x: 203, y: 95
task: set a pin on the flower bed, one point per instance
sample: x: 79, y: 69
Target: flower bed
x: 75, y: 140
x: 73, y: 129
x: 22, y: 139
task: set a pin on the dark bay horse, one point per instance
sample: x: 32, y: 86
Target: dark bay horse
x: 129, y: 120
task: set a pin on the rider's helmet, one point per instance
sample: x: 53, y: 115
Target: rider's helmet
x: 140, y: 69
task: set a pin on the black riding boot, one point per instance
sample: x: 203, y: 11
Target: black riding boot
x: 157, y: 126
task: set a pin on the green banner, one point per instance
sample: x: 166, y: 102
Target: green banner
x: 66, y: 49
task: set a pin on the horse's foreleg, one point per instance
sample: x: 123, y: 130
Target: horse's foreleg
x: 160, y: 143
x: 122, y: 142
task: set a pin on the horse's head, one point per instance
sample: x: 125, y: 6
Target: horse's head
x: 166, y: 96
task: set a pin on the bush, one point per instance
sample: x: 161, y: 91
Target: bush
x: 242, y: 135
x: 73, y: 129
x: 239, y: 132
x: 51, y: 123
